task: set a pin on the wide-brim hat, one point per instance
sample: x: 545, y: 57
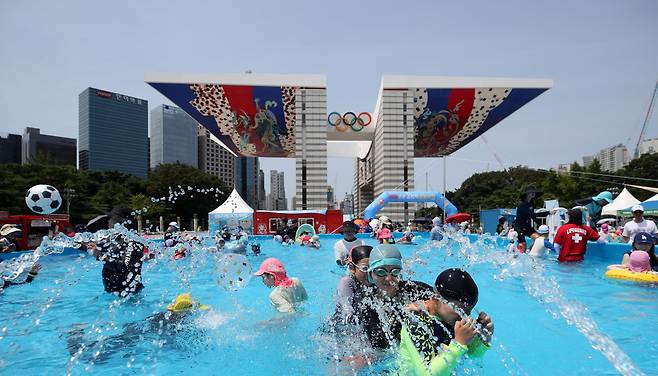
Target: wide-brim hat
x: 531, y: 189
x: 605, y: 195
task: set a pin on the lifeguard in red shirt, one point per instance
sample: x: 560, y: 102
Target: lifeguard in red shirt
x: 571, y: 238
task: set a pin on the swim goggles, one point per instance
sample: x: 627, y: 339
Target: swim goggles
x: 362, y: 269
x: 381, y: 272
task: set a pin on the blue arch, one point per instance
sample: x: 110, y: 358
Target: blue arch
x: 403, y: 196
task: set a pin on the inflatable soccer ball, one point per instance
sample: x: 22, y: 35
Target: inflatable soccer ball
x: 43, y: 199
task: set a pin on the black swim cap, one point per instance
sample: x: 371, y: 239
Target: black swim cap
x: 360, y: 252
x: 456, y: 285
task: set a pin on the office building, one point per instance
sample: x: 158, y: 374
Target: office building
x: 61, y: 150
x: 246, y: 179
x: 113, y: 132
x: 11, y: 148
x: 173, y: 137
x: 214, y: 158
x: 278, y: 191
x: 261, y: 190
x: 347, y: 205
x: 331, y: 201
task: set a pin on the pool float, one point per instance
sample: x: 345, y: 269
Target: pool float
x: 304, y: 228
x: 620, y: 272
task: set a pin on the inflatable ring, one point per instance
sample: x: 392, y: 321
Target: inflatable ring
x: 632, y: 276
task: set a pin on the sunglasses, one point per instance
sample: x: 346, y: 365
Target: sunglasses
x: 361, y: 268
x: 379, y: 272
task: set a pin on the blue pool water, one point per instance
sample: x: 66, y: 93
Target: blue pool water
x: 242, y: 334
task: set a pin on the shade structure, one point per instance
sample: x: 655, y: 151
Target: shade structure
x: 650, y: 208
x: 232, y: 213
x: 624, y: 200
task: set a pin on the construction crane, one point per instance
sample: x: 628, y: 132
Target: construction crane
x: 646, y: 121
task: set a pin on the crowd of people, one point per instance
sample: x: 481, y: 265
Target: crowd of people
x: 430, y: 327
x: 570, y: 240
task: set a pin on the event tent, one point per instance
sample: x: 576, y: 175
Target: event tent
x: 650, y: 207
x: 232, y: 213
x: 624, y: 200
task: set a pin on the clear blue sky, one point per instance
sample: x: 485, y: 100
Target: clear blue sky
x: 602, y: 55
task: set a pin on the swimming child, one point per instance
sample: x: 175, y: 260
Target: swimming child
x: 352, y: 287
x: 441, y: 332
x: 541, y: 245
x: 162, y: 326
x: 288, y: 292
x: 513, y: 238
x: 314, y: 242
x: 255, y: 248
x: 643, y: 241
x: 343, y: 247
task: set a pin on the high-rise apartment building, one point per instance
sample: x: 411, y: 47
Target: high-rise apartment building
x: 112, y: 132
x: 648, y: 146
x: 278, y: 190
x: 173, y: 137
x: 214, y: 158
x: 613, y: 158
x: 11, y: 148
x: 246, y: 179
x: 59, y: 149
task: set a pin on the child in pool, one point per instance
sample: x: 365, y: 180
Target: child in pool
x: 288, y: 292
x: 441, y: 330
x: 643, y: 242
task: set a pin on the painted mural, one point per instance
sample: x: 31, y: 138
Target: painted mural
x: 447, y: 119
x: 250, y: 120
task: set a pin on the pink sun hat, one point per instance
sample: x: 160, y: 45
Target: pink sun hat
x: 639, y: 262
x: 274, y: 267
x: 385, y: 233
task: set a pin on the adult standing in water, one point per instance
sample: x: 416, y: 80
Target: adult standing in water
x: 571, y: 238
x: 525, y: 215
x: 637, y: 225
x: 593, y: 207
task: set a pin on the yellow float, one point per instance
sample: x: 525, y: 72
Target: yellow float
x: 650, y: 277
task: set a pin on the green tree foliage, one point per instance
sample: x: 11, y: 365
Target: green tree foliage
x: 97, y: 192
x: 501, y: 189
x: 199, y: 189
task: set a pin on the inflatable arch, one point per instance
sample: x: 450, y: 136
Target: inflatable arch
x: 403, y: 196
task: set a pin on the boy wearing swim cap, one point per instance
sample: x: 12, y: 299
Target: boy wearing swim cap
x: 434, y: 339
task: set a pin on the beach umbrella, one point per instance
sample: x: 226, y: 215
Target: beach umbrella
x: 459, y: 217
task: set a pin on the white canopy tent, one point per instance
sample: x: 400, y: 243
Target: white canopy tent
x: 624, y: 200
x: 232, y: 213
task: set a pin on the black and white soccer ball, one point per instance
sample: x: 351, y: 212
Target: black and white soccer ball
x: 43, y: 199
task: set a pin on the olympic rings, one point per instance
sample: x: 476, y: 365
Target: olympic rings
x: 349, y: 119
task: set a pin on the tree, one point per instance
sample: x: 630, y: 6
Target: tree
x: 186, y: 190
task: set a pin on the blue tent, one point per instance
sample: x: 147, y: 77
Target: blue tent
x: 650, y: 208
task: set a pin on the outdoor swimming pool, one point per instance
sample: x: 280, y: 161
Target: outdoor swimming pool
x: 527, y: 299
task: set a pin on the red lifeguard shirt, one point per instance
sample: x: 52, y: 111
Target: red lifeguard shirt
x: 573, y: 241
